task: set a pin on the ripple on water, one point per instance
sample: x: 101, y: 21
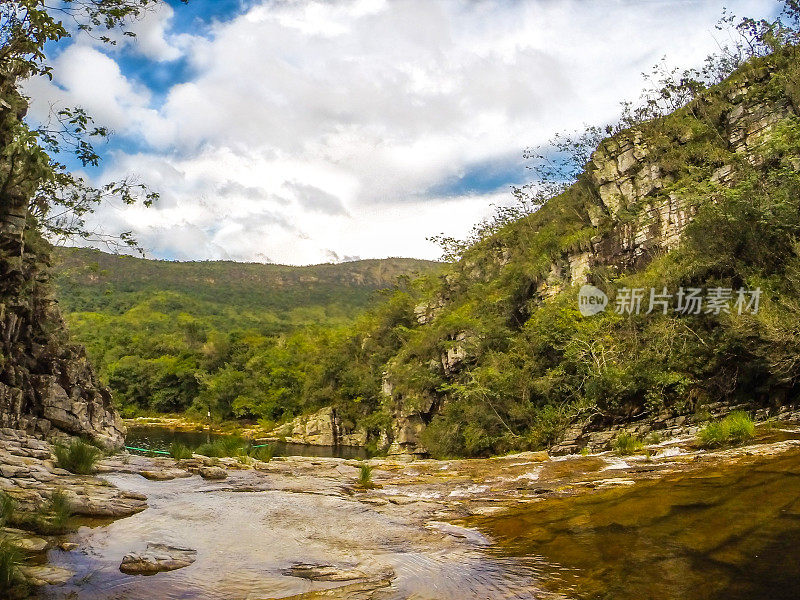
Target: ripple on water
x: 246, y: 541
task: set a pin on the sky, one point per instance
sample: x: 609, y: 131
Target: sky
x: 301, y: 132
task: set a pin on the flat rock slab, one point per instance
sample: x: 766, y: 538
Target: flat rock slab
x: 164, y: 474
x: 157, y: 558
x: 24, y: 541
x: 362, y: 590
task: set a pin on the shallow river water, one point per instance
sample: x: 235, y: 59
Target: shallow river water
x: 723, y: 533
x: 720, y: 532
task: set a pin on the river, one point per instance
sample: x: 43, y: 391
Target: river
x: 684, y: 525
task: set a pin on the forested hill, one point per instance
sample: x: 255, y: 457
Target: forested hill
x: 170, y: 336
x: 90, y: 281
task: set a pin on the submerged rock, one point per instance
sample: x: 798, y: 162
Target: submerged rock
x: 45, y: 575
x: 316, y: 572
x: 23, y: 540
x: 157, y: 558
x: 164, y: 474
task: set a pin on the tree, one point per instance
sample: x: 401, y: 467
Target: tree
x: 37, y: 191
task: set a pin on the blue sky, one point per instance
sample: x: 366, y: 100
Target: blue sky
x: 302, y: 131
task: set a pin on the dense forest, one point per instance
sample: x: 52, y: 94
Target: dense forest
x: 174, y: 336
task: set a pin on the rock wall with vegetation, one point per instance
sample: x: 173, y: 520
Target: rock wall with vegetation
x: 500, y: 358
x: 46, y: 383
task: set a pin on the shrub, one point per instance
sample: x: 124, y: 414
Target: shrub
x: 737, y: 427
x: 211, y: 449
x: 226, y: 446
x: 180, y: 451
x: 627, y: 443
x: 10, y: 560
x: 79, y: 457
x: 232, y: 445
x: 365, y: 476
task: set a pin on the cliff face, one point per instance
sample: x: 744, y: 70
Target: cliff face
x: 46, y: 383
x: 639, y: 192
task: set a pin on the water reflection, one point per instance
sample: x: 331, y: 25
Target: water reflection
x: 728, y: 533
x: 160, y: 438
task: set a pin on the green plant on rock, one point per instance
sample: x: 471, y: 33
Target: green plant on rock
x: 56, y: 515
x: 736, y: 428
x: 180, y: 451
x: 78, y: 457
x: 365, y: 476
x: 7, y: 507
x: 212, y: 449
x: 627, y: 443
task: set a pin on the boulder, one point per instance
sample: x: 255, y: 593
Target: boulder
x: 213, y: 473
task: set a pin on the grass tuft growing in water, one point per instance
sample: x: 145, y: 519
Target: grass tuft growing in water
x: 212, y: 449
x: 180, y: 451
x: 10, y: 561
x: 58, y: 512
x: 262, y: 453
x: 79, y: 457
x: 627, y: 443
x: 736, y: 428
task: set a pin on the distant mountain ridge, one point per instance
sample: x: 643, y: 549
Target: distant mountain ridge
x: 80, y: 273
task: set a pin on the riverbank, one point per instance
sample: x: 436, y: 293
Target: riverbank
x: 300, y: 527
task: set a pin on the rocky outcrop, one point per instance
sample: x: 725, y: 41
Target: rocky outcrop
x: 322, y: 428
x: 46, y: 384
x: 29, y: 475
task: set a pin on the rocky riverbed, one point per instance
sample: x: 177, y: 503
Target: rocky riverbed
x: 300, y: 527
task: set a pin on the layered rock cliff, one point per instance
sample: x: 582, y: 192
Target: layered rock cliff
x: 639, y: 192
x: 46, y: 384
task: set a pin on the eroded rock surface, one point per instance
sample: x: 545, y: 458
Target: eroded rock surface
x: 29, y: 475
x: 157, y: 558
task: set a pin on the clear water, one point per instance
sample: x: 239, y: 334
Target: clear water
x: 160, y: 438
x: 245, y: 541
x: 724, y: 533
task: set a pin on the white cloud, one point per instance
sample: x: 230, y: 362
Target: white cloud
x: 152, y: 39
x: 314, y: 129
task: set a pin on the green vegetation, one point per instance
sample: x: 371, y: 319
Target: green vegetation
x: 10, y: 561
x: 212, y: 450
x: 78, y: 457
x: 626, y: 444
x: 179, y: 451
x: 56, y: 514
x: 7, y: 507
x: 735, y: 428
x: 264, y: 453
x: 365, y: 476
x: 232, y: 338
